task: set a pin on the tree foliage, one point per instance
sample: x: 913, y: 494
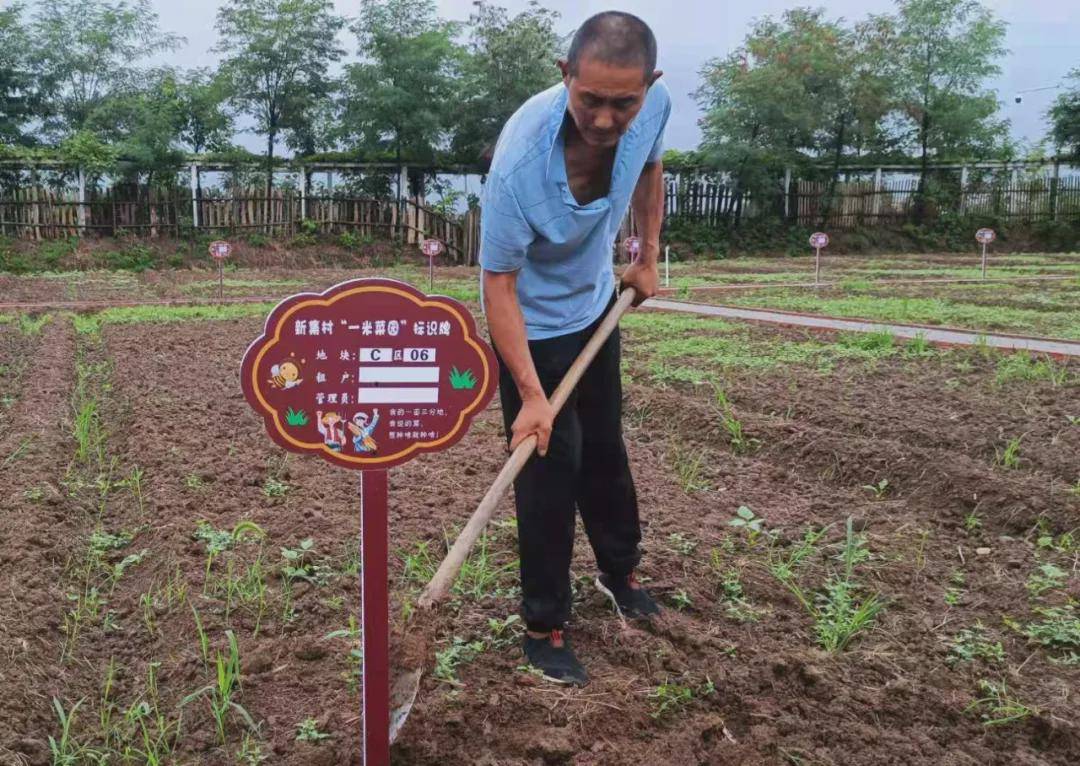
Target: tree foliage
x: 510, y: 58
x: 277, y: 59
x: 85, y: 51
x: 398, y: 101
x: 1065, y: 117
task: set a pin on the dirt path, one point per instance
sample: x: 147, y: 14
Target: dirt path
x: 37, y: 524
x: 936, y: 335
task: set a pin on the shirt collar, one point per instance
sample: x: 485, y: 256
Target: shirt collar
x: 556, y: 163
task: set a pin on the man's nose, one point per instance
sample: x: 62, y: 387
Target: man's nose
x: 604, y: 120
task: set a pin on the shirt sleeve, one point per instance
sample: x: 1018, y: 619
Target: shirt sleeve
x: 657, y: 152
x: 505, y: 235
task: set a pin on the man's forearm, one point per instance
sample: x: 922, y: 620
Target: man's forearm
x: 648, y: 206
x: 507, y: 327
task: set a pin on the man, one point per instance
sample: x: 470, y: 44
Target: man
x: 567, y: 166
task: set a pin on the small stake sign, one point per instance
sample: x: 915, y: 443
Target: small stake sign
x: 984, y: 237
x: 818, y: 240
x: 633, y: 247
x: 368, y: 375
x: 219, y: 251
x: 432, y: 248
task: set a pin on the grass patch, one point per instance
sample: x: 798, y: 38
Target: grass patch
x: 92, y: 323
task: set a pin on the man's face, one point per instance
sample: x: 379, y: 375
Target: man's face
x: 604, y: 99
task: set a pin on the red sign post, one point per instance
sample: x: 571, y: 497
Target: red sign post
x: 431, y: 248
x: 633, y: 247
x: 219, y: 251
x: 818, y: 240
x: 368, y: 375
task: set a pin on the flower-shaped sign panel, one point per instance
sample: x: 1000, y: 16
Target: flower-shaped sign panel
x: 368, y: 374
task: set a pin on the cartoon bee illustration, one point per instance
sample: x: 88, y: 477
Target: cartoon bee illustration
x: 285, y: 375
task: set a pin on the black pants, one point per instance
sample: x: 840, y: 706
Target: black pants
x: 586, y: 466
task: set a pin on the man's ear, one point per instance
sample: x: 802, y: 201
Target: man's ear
x: 564, y: 67
x: 655, y: 76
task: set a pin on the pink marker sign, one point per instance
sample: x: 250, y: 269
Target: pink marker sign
x: 633, y: 247
x: 220, y: 250
x: 368, y: 375
x: 432, y: 248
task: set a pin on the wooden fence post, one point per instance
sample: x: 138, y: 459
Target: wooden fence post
x: 194, y: 197
x: 82, y: 202
x: 963, y: 187
x: 787, y: 194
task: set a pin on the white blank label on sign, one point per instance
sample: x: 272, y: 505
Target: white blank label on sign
x: 397, y: 396
x: 376, y: 355
x: 399, y: 375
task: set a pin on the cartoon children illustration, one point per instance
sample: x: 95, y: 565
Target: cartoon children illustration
x: 362, y: 430
x: 285, y: 375
x: 332, y: 431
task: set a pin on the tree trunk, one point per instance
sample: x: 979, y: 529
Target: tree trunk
x: 270, y: 137
x: 924, y: 165
x: 830, y: 195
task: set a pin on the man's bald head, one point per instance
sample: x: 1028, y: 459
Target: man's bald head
x: 615, y: 38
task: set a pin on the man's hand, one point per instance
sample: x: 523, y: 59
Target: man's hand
x: 644, y: 277
x: 535, y: 417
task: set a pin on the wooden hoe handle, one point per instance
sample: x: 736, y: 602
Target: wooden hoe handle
x: 439, y: 586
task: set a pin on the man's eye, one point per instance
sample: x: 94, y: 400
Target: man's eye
x: 624, y: 103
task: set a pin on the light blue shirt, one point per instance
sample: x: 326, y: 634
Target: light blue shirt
x: 532, y: 224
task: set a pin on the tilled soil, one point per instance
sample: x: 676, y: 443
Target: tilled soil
x: 759, y: 690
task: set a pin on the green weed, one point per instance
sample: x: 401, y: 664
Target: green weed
x: 308, y: 731
x: 838, y: 612
x: 462, y: 379
x: 752, y: 525
x: 688, y: 464
x: 681, y: 544
x: 451, y: 658
x: 1021, y: 366
x: 1046, y: 577
x: 220, y: 694
x: 1058, y: 632
x: 880, y: 489
x: 998, y: 706
x: 296, y: 417
x: 1010, y: 456
x: 972, y: 644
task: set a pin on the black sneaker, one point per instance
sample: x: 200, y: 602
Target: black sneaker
x: 629, y: 602
x: 553, y: 657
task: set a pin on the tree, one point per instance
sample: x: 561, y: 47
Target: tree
x: 1065, y: 117
x: 945, y: 52
x: 766, y: 103
x: 84, y: 51
x: 401, y: 99
x: 143, y: 122
x: 277, y: 53
x: 205, y: 123
x: 509, y: 59
x: 19, y: 96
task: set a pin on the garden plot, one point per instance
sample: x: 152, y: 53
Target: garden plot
x: 867, y: 552
x: 1044, y: 308
x: 798, y: 270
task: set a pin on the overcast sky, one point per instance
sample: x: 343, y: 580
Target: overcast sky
x: 1043, y: 42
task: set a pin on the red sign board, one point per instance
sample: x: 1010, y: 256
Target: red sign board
x: 633, y: 246
x: 220, y: 250
x: 819, y: 239
x: 431, y: 247
x: 985, y: 236
x: 368, y: 374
